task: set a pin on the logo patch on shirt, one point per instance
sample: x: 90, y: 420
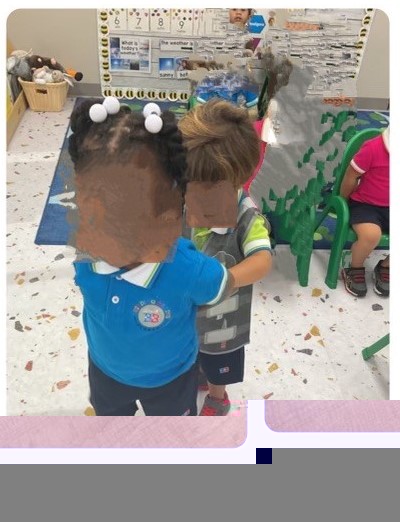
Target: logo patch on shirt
x: 151, y: 314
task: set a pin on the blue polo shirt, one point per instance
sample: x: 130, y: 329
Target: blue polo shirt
x: 141, y: 324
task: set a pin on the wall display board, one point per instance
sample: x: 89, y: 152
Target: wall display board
x: 145, y: 53
x: 149, y: 53
x: 331, y: 41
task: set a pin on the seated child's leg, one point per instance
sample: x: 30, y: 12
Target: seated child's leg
x: 368, y: 237
x: 109, y: 397
x: 177, y: 398
x: 367, y: 221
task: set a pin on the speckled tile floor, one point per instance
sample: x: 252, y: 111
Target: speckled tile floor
x: 306, y: 342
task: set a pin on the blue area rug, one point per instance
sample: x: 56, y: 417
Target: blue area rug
x: 54, y: 228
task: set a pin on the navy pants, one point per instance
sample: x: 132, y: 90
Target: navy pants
x: 112, y: 398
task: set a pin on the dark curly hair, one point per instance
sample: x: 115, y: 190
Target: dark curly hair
x: 122, y: 134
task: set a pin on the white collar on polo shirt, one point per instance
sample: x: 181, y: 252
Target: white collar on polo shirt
x: 142, y: 275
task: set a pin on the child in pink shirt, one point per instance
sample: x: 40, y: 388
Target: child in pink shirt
x: 366, y: 184
x: 258, y: 126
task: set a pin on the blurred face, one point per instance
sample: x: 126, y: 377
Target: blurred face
x: 211, y: 204
x: 238, y: 16
x: 128, y: 213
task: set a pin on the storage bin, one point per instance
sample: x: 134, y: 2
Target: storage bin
x: 46, y: 96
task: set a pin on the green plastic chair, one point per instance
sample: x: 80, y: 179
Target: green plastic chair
x: 368, y: 352
x: 338, y: 205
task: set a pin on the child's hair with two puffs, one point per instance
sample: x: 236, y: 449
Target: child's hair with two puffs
x: 120, y: 136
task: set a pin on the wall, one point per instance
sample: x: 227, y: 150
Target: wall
x: 373, y: 79
x: 70, y: 36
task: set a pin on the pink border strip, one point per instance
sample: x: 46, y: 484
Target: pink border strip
x: 123, y: 432
x: 336, y: 416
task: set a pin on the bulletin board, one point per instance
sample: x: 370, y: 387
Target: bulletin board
x: 331, y: 41
x: 143, y: 52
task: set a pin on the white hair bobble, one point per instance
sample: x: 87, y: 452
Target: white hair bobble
x: 153, y: 123
x: 99, y: 111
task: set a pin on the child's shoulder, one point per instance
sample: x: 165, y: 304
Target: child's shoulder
x: 192, y: 267
x: 190, y: 260
x: 187, y: 253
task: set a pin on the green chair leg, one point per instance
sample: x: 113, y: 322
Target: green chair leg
x: 303, y: 268
x: 341, y: 232
x: 368, y: 352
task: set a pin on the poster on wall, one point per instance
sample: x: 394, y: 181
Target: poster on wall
x: 129, y: 53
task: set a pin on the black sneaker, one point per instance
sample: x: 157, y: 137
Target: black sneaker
x: 354, y: 281
x: 380, y: 277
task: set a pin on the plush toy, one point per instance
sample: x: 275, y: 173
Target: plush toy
x: 76, y: 75
x: 23, y: 64
x: 17, y: 65
x: 46, y: 75
x: 35, y: 61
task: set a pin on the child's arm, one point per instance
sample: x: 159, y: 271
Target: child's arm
x: 350, y: 182
x: 251, y: 269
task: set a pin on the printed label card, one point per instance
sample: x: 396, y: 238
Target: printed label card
x: 198, y: 22
x: 182, y: 21
x: 216, y: 22
x: 166, y: 67
x: 130, y: 54
x: 176, y: 45
x: 117, y: 20
x: 160, y: 20
x: 139, y: 20
x: 182, y: 67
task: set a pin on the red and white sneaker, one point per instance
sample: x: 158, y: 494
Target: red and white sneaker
x: 213, y: 407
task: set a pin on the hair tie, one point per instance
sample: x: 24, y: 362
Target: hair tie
x: 152, y: 120
x: 99, y: 111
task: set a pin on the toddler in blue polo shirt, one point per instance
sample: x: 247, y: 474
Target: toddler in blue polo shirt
x: 143, y: 283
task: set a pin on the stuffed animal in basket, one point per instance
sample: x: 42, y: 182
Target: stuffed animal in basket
x: 18, y: 65
x: 23, y: 64
x: 47, y: 75
x: 35, y: 61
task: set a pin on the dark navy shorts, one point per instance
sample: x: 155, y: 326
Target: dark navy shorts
x: 225, y: 368
x: 366, y: 213
x: 112, y: 398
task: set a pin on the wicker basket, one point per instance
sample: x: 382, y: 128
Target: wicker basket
x: 45, y: 97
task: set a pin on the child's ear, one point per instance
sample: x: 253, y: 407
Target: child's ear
x: 211, y: 204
